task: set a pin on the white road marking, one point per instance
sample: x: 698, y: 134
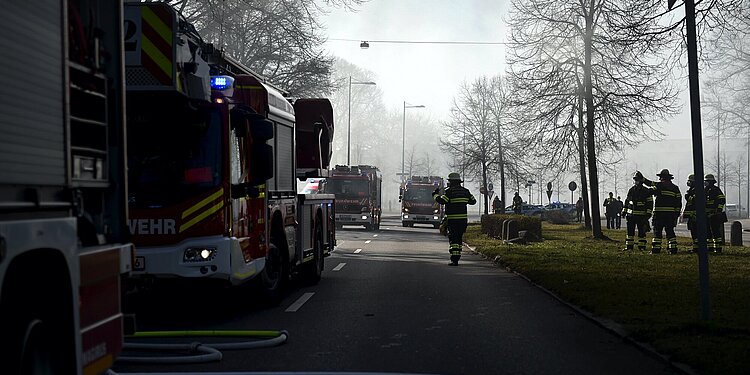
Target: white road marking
x: 357, y: 251
x: 339, y: 267
x: 368, y: 241
x: 388, y: 228
x: 374, y: 235
x: 299, y: 302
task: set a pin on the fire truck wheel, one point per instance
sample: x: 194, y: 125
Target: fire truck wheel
x: 314, y: 269
x: 274, y: 276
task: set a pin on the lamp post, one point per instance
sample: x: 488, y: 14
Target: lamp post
x: 349, y: 131
x: 403, y: 137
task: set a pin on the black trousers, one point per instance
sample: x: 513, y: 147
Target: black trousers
x: 715, y: 233
x: 666, y: 222
x: 633, y: 223
x: 610, y: 221
x: 618, y: 219
x: 456, y: 229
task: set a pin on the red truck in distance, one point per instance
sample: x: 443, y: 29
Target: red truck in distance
x: 358, y: 195
x: 417, y: 204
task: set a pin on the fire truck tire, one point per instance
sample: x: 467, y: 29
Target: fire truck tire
x: 275, y: 276
x: 37, y: 329
x: 313, y: 270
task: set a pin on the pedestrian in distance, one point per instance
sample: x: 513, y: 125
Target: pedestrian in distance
x: 689, y: 213
x: 638, y: 205
x: 618, y: 212
x: 609, y: 211
x: 455, y: 199
x: 497, y: 205
x: 579, y: 209
x: 715, y: 201
x: 517, y: 204
x: 667, y: 208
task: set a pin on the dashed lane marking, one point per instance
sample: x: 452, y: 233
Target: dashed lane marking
x: 357, y: 251
x: 339, y: 267
x: 374, y: 235
x: 368, y: 241
x: 299, y: 302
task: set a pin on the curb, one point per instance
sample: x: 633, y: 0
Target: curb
x: 609, y: 325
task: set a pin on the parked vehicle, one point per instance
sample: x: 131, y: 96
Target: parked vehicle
x: 214, y: 158
x: 63, y: 209
x: 358, y: 195
x: 527, y: 209
x: 566, y: 208
x: 417, y: 203
x: 734, y: 211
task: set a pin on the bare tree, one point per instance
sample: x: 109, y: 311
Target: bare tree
x: 563, y: 50
x: 280, y: 39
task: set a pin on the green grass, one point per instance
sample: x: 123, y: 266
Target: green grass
x: 655, y: 297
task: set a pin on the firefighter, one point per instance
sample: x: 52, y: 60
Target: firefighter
x: 497, y: 206
x: 638, y: 204
x: 715, y: 201
x: 517, y: 204
x: 455, y: 199
x: 667, y: 208
x: 689, y: 213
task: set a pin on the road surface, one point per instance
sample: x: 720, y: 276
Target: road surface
x: 389, y: 302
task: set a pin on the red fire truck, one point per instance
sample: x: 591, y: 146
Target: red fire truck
x: 417, y: 204
x: 215, y: 151
x: 63, y: 208
x: 358, y: 195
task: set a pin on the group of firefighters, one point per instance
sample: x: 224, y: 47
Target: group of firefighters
x: 663, y: 201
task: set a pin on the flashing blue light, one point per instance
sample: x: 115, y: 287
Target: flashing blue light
x: 221, y: 82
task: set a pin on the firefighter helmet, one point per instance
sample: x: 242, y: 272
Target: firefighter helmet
x: 710, y: 178
x: 691, y: 180
x: 665, y: 174
x: 638, y: 176
x: 454, y: 177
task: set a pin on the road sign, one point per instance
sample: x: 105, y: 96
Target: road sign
x: 670, y: 4
x: 482, y: 190
x: 549, y: 186
x: 572, y: 186
x: 549, y: 195
x: 490, y: 186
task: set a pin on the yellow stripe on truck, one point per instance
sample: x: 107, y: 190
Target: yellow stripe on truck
x: 161, y: 28
x: 99, y: 366
x: 164, y: 62
x: 202, y: 216
x: 202, y: 203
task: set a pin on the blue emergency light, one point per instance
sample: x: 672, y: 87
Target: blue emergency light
x: 221, y: 82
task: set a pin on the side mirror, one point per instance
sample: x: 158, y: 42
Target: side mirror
x: 244, y: 190
x: 261, y: 164
x: 238, y: 122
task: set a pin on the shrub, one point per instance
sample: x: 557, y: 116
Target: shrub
x: 492, y: 225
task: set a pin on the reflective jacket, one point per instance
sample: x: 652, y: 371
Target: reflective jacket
x: 639, y: 201
x: 689, y: 212
x: 668, y: 199
x: 715, y: 200
x: 455, y: 200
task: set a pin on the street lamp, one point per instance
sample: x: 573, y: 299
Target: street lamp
x: 349, y: 131
x: 403, y: 137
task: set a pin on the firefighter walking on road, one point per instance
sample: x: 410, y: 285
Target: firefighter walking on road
x: 689, y: 213
x: 638, y: 204
x: 455, y: 199
x: 715, y: 201
x: 667, y: 208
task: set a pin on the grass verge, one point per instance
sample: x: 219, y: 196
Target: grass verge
x: 654, y: 297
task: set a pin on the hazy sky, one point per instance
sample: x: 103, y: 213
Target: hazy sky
x: 430, y: 74
x: 421, y: 74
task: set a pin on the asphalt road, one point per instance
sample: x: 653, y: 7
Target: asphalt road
x: 389, y: 302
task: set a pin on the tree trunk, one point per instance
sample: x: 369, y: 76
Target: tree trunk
x: 484, y: 183
x: 582, y: 165
x: 596, y: 223
x: 502, y: 172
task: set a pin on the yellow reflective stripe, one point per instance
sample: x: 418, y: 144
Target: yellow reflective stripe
x: 161, y: 28
x: 162, y: 61
x: 460, y: 200
x: 202, y: 203
x: 457, y: 216
x: 99, y: 366
x: 666, y: 209
x: 670, y: 193
x: 248, y: 87
x: 202, y: 216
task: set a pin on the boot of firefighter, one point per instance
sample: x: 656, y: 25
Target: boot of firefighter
x: 629, y: 242
x: 672, y: 245
x: 656, y: 245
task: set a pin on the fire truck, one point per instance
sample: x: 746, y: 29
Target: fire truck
x: 214, y: 156
x: 358, y: 195
x: 63, y: 203
x: 417, y: 204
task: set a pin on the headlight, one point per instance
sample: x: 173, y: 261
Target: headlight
x: 435, y: 218
x: 199, y: 254
x: 435, y: 211
x: 406, y: 210
x: 364, y: 217
x: 406, y: 216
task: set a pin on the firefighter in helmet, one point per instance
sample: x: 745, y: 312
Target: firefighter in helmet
x: 689, y: 213
x: 638, y: 204
x: 715, y: 201
x: 667, y: 208
x: 455, y: 199
x: 517, y: 204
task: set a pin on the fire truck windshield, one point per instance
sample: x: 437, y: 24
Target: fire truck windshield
x: 418, y: 194
x: 356, y: 188
x: 172, y: 160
